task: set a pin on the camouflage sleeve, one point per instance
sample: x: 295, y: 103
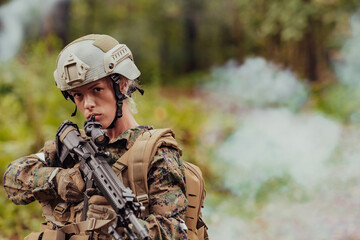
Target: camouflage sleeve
x: 167, y: 196
x: 30, y: 178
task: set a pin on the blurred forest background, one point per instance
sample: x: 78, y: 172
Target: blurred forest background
x: 264, y: 96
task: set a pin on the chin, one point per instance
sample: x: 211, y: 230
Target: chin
x: 105, y: 125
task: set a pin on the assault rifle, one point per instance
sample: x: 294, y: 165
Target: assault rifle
x: 98, y: 173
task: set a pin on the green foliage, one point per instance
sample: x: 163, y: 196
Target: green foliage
x: 32, y: 109
x: 152, y: 28
x: 276, y: 188
x: 341, y: 102
x: 4, y: 1
x: 14, y: 221
x: 173, y: 38
x: 290, y: 19
x: 30, y: 102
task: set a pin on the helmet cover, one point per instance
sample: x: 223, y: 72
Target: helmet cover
x: 91, y: 58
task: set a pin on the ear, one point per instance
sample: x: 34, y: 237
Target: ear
x: 124, y: 85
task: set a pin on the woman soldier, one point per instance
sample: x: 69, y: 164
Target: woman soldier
x: 99, y: 75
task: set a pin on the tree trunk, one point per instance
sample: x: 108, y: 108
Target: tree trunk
x: 310, y: 51
x: 237, y: 31
x: 57, y: 22
x: 62, y: 16
x: 191, y: 9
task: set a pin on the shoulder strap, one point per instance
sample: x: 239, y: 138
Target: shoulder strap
x: 142, y: 153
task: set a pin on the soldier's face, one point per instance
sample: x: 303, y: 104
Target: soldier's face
x: 96, y: 98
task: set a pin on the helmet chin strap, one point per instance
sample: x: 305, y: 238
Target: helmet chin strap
x: 67, y: 97
x: 119, y: 96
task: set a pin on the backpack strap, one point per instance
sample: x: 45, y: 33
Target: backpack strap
x: 139, y: 157
x: 120, y: 165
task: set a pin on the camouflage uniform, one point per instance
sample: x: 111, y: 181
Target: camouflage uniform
x: 30, y: 178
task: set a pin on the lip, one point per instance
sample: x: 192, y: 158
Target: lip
x: 97, y: 115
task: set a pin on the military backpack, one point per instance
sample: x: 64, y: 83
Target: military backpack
x: 138, y: 159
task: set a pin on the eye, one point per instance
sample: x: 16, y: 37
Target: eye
x: 76, y: 95
x: 98, y: 89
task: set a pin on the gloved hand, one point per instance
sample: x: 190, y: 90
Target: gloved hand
x: 100, y: 209
x: 70, y: 185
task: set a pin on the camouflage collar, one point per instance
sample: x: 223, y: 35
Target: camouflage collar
x: 128, y: 138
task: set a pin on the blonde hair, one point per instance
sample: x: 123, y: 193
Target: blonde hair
x: 133, y: 86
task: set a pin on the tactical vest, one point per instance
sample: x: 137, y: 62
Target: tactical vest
x: 132, y: 169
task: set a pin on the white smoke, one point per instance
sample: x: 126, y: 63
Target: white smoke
x: 318, y: 154
x: 330, y: 215
x: 274, y: 142
x: 15, y: 17
x: 257, y: 83
x: 348, y: 70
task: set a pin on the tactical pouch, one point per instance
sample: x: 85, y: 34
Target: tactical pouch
x: 33, y: 236
x: 53, y: 235
x: 77, y: 212
x: 62, y: 212
x: 47, y: 234
x: 79, y: 237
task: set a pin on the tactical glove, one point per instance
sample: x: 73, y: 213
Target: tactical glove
x: 100, y: 209
x: 70, y: 185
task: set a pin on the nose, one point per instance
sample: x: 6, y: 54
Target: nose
x: 89, y: 102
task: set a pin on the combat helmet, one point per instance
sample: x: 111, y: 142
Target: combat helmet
x: 90, y: 58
